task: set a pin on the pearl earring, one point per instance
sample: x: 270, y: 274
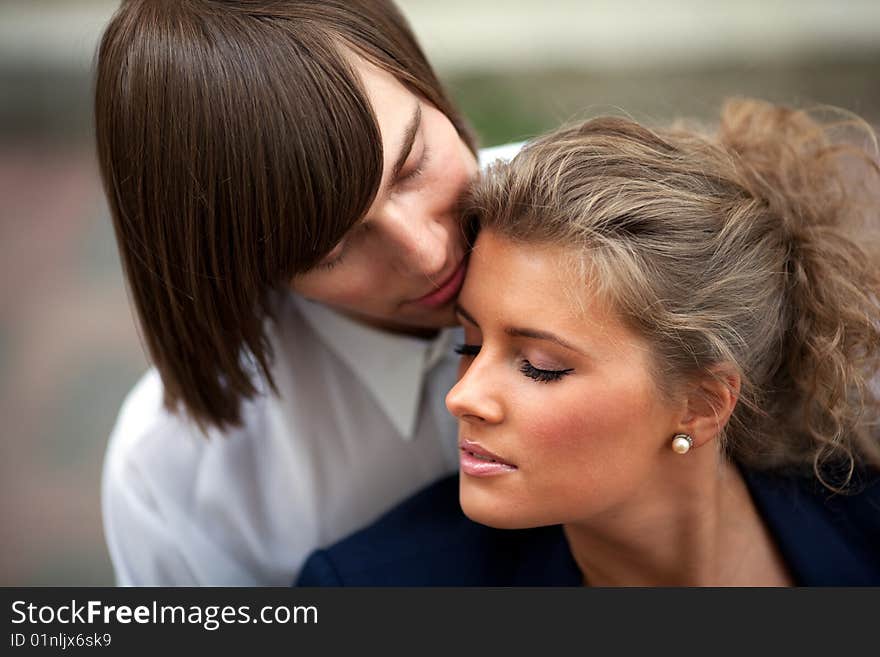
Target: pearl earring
x: 681, y: 443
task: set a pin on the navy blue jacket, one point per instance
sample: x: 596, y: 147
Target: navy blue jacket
x: 826, y: 540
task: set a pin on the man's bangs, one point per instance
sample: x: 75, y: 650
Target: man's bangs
x: 321, y: 164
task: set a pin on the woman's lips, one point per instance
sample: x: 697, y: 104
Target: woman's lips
x: 446, y: 291
x: 477, y: 461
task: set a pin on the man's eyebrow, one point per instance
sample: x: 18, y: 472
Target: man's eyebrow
x: 516, y: 332
x: 409, y: 138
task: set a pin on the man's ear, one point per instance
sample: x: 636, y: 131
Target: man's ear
x: 710, y: 403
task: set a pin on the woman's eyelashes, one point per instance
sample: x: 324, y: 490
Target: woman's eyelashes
x: 467, y: 349
x: 526, y: 368
x: 543, y: 376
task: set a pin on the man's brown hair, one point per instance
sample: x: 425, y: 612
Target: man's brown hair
x: 237, y: 146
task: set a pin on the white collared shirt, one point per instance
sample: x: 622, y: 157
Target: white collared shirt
x: 358, y: 425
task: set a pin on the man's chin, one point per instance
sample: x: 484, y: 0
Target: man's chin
x: 424, y: 325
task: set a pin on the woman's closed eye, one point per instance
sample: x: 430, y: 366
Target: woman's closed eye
x: 529, y: 370
x: 543, y: 376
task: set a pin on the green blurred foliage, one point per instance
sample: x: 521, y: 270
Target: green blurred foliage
x: 512, y: 106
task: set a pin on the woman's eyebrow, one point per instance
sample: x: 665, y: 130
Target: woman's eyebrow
x: 409, y: 138
x: 535, y: 334
x: 517, y: 332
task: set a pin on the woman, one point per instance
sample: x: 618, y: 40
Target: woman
x: 283, y: 179
x: 670, y: 341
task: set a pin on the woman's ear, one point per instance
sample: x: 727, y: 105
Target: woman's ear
x: 710, y: 403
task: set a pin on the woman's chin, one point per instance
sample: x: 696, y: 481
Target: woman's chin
x: 489, y: 510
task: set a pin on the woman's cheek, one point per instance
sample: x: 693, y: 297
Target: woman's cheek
x: 555, y: 426
x: 577, y: 430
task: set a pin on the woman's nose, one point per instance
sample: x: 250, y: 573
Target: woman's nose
x: 473, y: 398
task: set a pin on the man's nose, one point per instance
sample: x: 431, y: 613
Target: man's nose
x: 421, y: 242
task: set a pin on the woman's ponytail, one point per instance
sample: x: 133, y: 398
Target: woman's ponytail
x: 820, y: 192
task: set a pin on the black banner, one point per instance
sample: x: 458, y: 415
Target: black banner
x: 413, y: 621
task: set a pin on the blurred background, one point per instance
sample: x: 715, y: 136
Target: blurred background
x: 69, y: 350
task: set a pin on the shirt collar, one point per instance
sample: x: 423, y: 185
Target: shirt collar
x: 391, y: 366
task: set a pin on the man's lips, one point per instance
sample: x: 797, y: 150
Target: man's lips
x: 447, y: 290
x: 477, y: 461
